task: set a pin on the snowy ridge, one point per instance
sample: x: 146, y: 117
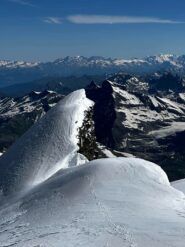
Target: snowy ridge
x: 51, y: 144
x: 150, y: 63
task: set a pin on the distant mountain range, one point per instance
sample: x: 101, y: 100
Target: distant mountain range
x: 12, y: 72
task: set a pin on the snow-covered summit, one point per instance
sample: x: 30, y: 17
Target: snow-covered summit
x: 121, y: 63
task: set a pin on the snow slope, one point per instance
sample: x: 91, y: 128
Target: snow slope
x: 179, y: 185
x: 122, y: 202
x: 51, y: 144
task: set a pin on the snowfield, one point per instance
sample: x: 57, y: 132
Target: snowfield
x: 120, y: 202
x: 50, y: 198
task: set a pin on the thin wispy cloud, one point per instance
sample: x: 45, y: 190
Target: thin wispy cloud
x: 107, y: 19
x: 53, y: 20
x: 23, y: 2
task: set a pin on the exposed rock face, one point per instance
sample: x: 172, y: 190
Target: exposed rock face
x: 131, y: 122
x: 87, y: 138
x: 104, y: 112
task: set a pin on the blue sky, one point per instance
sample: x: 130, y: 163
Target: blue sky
x: 42, y: 30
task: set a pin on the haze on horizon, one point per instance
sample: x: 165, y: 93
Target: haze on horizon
x: 35, y: 30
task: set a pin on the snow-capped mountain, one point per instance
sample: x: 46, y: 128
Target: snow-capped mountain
x: 17, y: 72
x: 49, y: 196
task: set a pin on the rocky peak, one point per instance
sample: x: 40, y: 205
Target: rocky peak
x: 126, y: 121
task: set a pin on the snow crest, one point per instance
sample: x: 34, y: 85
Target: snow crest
x: 51, y: 144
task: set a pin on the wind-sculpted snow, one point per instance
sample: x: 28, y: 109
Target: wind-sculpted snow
x: 121, y: 202
x: 51, y: 144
